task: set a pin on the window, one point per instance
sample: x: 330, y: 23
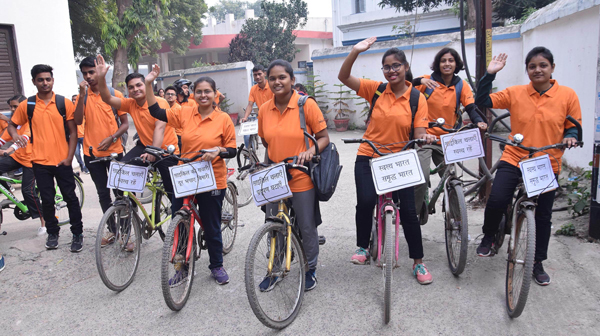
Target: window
x: 359, y: 6
x: 10, y: 79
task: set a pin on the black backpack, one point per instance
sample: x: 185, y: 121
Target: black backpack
x: 326, y: 173
x: 124, y: 136
x: 413, y: 101
x: 60, y: 106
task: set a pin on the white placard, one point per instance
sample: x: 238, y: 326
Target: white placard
x: 127, y: 177
x: 270, y: 185
x: 249, y: 128
x: 192, y: 178
x: 538, y: 175
x: 396, y: 171
x: 461, y: 146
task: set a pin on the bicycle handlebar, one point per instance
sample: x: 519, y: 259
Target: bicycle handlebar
x: 408, y: 144
x: 450, y: 130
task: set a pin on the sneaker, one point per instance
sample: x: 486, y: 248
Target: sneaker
x: 18, y: 172
x: 269, y: 283
x: 485, y: 248
x: 541, y: 277
x: 179, y: 278
x: 423, y: 276
x: 77, y: 243
x: 85, y: 171
x: 219, y: 275
x: 52, y: 241
x: 310, y: 281
x: 108, y: 239
x: 41, y: 231
x: 2, y: 263
x: 360, y: 257
x: 129, y: 247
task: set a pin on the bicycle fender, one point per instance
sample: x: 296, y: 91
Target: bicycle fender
x: 234, y: 187
x: 527, y: 205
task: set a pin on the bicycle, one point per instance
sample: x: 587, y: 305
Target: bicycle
x: 246, y: 157
x: 520, y: 222
x: 180, y: 250
x: 121, y: 225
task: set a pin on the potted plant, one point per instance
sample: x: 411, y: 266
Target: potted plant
x: 225, y: 106
x: 315, y: 88
x: 341, y: 108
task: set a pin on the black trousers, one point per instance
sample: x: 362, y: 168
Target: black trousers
x: 99, y: 174
x: 163, y: 168
x: 45, y: 176
x: 366, y: 199
x: 506, y: 181
x: 27, y: 186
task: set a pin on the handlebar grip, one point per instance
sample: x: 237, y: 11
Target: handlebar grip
x: 5, y: 154
x: 579, y: 130
x: 352, y: 140
x: 432, y: 124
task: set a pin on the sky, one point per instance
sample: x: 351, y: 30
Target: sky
x: 316, y: 8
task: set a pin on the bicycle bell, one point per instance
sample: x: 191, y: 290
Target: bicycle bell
x: 171, y: 149
x: 441, y: 121
x: 518, y: 138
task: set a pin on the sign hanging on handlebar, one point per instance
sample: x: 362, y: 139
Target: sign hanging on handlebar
x: 270, y: 185
x: 396, y: 171
x: 192, y: 178
x: 538, y: 175
x: 461, y: 146
x: 126, y: 177
x: 249, y: 128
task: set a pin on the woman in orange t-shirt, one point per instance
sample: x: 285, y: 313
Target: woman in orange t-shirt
x: 538, y: 111
x: 390, y: 124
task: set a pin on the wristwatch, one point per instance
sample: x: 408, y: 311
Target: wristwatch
x: 114, y: 138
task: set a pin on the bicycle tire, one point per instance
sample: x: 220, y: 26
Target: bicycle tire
x: 181, y: 223
x: 60, y: 207
x: 243, y: 184
x: 163, y: 204
x: 255, y: 142
x: 516, y: 294
x: 229, y: 218
x: 116, y: 252
x: 456, y: 230
x: 388, y: 267
x: 260, y: 302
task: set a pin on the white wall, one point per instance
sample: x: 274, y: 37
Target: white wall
x: 43, y: 36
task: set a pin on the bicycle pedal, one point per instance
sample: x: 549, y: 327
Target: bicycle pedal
x: 5, y: 203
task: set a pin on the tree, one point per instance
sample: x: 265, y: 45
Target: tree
x: 270, y: 36
x: 518, y: 9
x: 237, y: 8
x: 87, y: 35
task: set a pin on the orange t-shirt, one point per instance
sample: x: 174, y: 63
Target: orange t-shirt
x: 442, y: 103
x: 540, y: 119
x: 21, y: 155
x: 98, y: 124
x: 144, y: 122
x: 3, y: 126
x: 284, y: 136
x: 217, y: 129
x: 217, y: 97
x: 80, y: 128
x: 49, y: 145
x: 391, y: 117
x: 260, y: 96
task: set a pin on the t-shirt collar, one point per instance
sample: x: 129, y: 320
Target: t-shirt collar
x: 550, y: 93
x: 52, y: 100
x: 388, y: 89
x: 293, y: 103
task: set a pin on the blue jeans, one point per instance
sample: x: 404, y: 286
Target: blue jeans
x: 78, y: 155
x: 247, y: 137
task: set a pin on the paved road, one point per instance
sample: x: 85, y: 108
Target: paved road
x: 57, y: 292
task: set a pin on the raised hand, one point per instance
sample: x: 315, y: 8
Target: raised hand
x: 101, y: 66
x: 364, y: 45
x: 83, y: 87
x: 497, y: 63
x: 153, y: 74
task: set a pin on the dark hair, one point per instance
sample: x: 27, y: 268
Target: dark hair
x: 285, y: 64
x: 208, y: 80
x: 438, y: 58
x: 161, y: 89
x: 539, y: 51
x: 400, y: 57
x: 258, y: 67
x: 18, y: 98
x: 40, y: 68
x: 134, y: 75
x: 87, y: 62
x: 300, y: 87
x: 170, y: 87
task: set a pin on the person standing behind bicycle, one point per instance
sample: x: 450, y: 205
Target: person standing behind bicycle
x: 280, y: 131
x: 441, y: 88
x: 203, y: 127
x: 390, y: 123
x: 538, y: 111
x: 260, y: 93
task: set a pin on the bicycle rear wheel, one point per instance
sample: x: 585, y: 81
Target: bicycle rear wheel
x: 118, y: 260
x: 258, y: 148
x: 61, y: 212
x: 277, y: 304
x: 519, y: 267
x: 243, y: 180
x: 388, y: 266
x: 229, y: 218
x: 456, y: 227
x: 177, y: 274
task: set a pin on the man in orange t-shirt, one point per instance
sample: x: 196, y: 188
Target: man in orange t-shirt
x: 260, y: 93
x: 51, y: 154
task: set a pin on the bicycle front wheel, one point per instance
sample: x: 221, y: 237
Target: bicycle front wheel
x: 456, y: 227
x: 275, y: 295
x: 258, y: 148
x: 519, y: 268
x: 243, y: 180
x: 118, y: 243
x: 177, y: 266
x: 61, y: 212
x: 229, y: 218
x: 388, y: 266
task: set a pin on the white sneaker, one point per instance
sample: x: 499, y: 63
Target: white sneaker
x: 41, y: 231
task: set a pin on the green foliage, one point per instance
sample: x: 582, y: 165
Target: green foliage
x: 578, y: 193
x: 237, y: 8
x: 225, y: 104
x: 567, y: 230
x: 270, y: 36
x: 340, y: 99
x: 85, y: 30
x: 525, y: 16
x: 199, y: 63
x: 316, y: 89
x: 403, y: 31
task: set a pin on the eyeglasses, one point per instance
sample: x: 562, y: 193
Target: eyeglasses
x: 170, y: 94
x: 394, y: 67
x: 206, y: 92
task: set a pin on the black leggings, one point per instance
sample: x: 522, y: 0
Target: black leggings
x: 366, y: 199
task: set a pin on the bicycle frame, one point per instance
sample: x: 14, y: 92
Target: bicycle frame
x: 282, y: 214
x: 9, y: 195
x: 150, y: 219
x: 385, y: 204
x: 194, y: 217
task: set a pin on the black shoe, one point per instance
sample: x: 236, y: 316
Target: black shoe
x: 485, y: 248
x: 77, y: 243
x: 52, y: 241
x: 541, y: 277
x: 310, y: 281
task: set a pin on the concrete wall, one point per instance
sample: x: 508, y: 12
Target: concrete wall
x: 43, y: 36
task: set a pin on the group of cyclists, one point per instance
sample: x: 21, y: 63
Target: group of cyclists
x: 43, y: 129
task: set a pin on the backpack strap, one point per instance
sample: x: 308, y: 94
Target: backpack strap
x: 301, y: 103
x: 428, y: 93
x: 378, y: 93
x: 30, y: 109
x: 414, y: 106
x: 60, y: 106
x: 458, y: 90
